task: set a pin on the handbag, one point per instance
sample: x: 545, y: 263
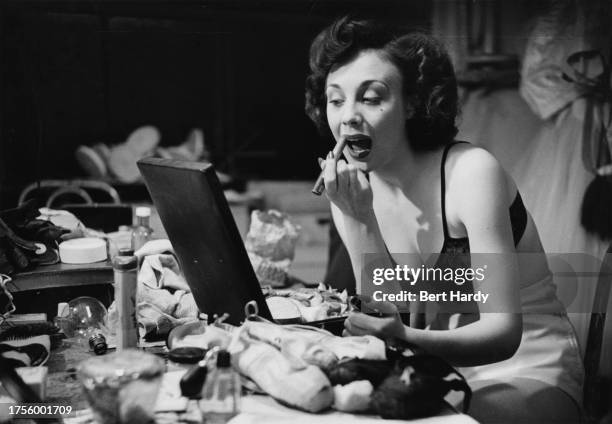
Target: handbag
x: 409, y: 384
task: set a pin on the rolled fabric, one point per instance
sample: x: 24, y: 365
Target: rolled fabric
x: 306, y: 388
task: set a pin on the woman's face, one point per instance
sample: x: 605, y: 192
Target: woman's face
x: 365, y: 106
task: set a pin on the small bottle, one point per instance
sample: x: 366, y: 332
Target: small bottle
x: 125, y: 273
x: 142, y: 232
x: 221, y: 393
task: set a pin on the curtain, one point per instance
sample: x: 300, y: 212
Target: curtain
x: 536, y: 132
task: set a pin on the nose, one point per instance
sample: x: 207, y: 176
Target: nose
x: 351, y: 115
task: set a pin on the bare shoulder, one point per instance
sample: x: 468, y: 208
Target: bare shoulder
x: 476, y: 179
x: 467, y: 162
x: 473, y: 167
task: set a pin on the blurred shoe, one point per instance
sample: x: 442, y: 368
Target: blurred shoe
x: 103, y: 150
x: 31, y: 351
x: 193, y: 149
x: 122, y: 159
x: 91, y: 162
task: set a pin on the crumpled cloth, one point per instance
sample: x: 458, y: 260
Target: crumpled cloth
x: 162, y: 271
x: 555, y: 36
x: 362, y: 347
x: 163, y: 298
x: 161, y: 283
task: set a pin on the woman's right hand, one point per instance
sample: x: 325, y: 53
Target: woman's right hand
x: 348, y: 188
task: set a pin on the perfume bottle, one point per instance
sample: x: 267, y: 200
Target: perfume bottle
x: 142, y: 232
x: 221, y: 392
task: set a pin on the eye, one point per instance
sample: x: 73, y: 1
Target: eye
x: 371, y: 99
x: 335, y: 101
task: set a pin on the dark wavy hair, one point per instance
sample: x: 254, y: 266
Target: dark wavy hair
x: 428, y: 77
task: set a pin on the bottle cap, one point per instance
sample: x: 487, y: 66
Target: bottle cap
x: 125, y: 263
x: 143, y: 211
x: 63, y: 310
x: 186, y: 355
x: 223, y: 359
x: 126, y: 252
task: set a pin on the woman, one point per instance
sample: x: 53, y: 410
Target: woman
x: 406, y: 186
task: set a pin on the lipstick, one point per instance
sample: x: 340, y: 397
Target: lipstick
x: 319, y: 185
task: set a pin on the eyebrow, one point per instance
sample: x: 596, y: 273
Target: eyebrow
x: 364, y: 83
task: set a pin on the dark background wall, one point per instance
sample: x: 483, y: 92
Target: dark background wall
x: 85, y: 72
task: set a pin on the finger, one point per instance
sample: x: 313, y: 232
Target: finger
x: 348, y: 327
x: 386, y: 308
x: 355, y: 330
x: 329, y: 175
x: 365, y: 298
x: 335, y: 157
x: 321, y: 162
x: 363, y: 180
x: 354, y: 183
x: 343, y: 175
x: 364, y: 323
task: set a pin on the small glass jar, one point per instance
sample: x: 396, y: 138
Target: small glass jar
x: 122, y: 386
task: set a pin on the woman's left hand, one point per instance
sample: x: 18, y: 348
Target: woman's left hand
x: 388, y: 326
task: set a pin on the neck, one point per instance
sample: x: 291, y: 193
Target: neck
x: 406, y: 169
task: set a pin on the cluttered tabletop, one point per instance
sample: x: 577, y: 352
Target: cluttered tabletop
x: 151, y: 354
x: 102, y: 383
x: 64, y: 386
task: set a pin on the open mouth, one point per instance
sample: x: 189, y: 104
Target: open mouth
x: 359, y: 146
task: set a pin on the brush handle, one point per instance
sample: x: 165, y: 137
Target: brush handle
x: 20, y: 391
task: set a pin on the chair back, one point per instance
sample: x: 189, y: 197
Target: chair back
x: 592, y: 356
x: 58, y: 192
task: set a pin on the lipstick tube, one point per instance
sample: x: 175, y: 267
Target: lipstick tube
x: 319, y: 185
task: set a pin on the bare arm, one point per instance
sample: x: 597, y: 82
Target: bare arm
x: 351, y: 205
x: 359, y: 237
x: 482, y: 208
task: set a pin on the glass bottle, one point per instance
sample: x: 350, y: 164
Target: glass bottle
x: 142, y: 232
x: 221, y: 393
x: 126, y: 282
